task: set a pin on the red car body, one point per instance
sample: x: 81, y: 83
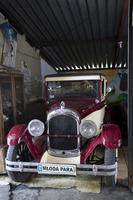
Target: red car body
x: 108, y: 136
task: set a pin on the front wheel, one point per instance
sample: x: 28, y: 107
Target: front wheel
x: 110, y: 159
x: 19, y: 152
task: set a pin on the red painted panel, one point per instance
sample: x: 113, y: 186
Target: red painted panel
x: 19, y: 133
x: 110, y: 138
x: 83, y: 105
x: 15, y: 134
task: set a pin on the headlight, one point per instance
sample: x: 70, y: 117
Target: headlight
x: 88, y: 129
x: 36, y: 127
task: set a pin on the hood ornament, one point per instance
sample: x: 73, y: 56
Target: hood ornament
x: 62, y: 104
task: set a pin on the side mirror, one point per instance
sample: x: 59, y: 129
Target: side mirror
x: 110, y: 89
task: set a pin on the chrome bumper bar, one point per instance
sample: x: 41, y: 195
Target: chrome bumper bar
x: 82, y: 169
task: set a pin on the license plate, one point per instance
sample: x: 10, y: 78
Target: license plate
x: 57, y: 169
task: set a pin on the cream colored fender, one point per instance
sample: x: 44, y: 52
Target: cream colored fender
x: 97, y: 117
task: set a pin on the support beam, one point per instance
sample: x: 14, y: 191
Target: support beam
x: 130, y: 98
x: 120, y: 29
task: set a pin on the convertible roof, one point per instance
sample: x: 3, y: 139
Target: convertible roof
x: 73, y: 35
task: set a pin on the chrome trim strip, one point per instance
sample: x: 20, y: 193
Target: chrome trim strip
x: 64, y: 153
x: 83, y: 169
x: 64, y: 111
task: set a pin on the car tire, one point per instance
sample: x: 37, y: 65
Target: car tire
x: 12, y: 155
x: 110, y: 159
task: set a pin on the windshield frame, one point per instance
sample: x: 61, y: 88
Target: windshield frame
x: 71, y: 95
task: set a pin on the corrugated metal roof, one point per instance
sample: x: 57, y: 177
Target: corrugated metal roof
x: 73, y: 34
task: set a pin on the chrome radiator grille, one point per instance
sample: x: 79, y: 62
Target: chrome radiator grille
x: 63, y: 133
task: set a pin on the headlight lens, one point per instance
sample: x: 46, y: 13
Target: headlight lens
x: 88, y: 129
x: 36, y: 127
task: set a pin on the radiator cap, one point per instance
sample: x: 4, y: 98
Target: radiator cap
x: 62, y: 104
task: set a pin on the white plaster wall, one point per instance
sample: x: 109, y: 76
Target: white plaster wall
x: 2, y: 20
x: 46, y: 69
x: 32, y: 59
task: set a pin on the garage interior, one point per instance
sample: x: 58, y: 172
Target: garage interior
x: 64, y: 36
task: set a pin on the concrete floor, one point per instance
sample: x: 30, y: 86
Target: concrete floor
x: 23, y: 192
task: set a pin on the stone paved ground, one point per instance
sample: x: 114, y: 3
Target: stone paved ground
x: 21, y: 192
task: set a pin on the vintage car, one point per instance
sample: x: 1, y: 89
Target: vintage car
x: 74, y: 140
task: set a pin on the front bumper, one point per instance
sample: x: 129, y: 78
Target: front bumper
x: 82, y: 169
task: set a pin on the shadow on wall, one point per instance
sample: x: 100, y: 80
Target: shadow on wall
x: 117, y: 100
x: 35, y: 110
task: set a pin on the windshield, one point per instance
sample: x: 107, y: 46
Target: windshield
x: 85, y: 88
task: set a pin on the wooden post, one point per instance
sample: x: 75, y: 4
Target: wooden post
x: 14, y: 99
x: 1, y: 120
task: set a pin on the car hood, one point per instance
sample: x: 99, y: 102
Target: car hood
x: 83, y: 105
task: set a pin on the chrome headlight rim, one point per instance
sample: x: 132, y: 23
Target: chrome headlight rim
x: 33, y: 127
x: 84, y: 133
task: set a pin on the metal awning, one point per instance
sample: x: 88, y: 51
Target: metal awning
x: 73, y: 34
